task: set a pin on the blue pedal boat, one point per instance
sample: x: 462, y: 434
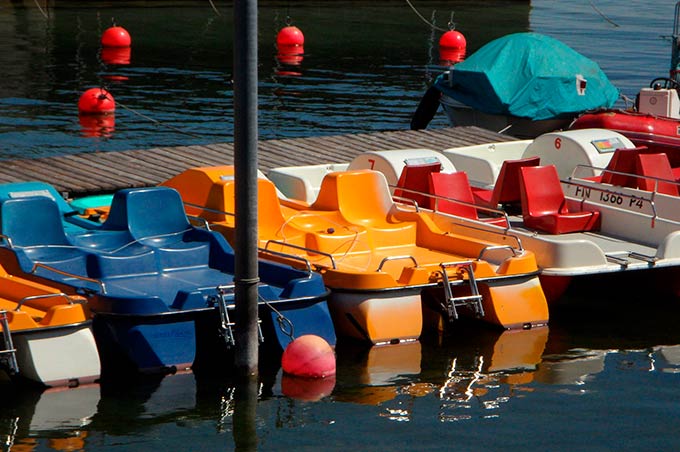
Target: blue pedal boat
x: 161, y: 289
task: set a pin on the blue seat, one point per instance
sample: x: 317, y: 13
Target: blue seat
x: 72, y: 222
x: 155, y: 217
x: 35, y: 231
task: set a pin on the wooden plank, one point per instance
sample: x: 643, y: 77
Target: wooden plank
x: 79, y: 174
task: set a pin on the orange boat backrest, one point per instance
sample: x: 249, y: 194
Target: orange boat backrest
x: 361, y: 196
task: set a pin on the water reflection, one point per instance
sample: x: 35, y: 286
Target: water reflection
x: 58, y: 416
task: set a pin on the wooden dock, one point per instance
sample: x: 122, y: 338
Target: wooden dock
x: 103, y: 172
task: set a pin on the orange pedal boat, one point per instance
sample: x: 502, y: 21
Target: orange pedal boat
x: 389, y: 266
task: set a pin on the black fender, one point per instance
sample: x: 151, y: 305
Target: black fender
x: 426, y: 110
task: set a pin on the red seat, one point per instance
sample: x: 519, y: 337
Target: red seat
x: 456, y: 186
x: 414, y: 178
x: 544, y: 206
x: 506, y: 188
x: 657, y: 174
x: 621, y: 167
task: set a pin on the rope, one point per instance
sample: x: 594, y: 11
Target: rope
x: 157, y: 122
x: 602, y: 14
x: 430, y: 24
x: 281, y: 320
x: 40, y: 9
x: 214, y: 7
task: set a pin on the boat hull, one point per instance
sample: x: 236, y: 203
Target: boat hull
x: 379, y: 317
x: 508, y: 303
x: 462, y: 115
x: 59, y: 356
x: 171, y: 342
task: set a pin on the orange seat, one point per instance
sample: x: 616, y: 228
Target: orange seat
x: 414, y: 178
x: 456, y: 186
x: 544, y: 206
x: 506, y: 188
x: 657, y: 174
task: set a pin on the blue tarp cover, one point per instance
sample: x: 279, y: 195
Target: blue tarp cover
x: 531, y: 76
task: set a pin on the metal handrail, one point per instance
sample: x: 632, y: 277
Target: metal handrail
x: 289, y: 256
x: 394, y: 258
x: 571, y: 181
x: 497, y: 247
x: 7, y: 239
x: 204, y: 223
x: 437, y: 198
x: 99, y: 282
x: 208, y: 209
x: 301, y: 248
x: 36, y: 297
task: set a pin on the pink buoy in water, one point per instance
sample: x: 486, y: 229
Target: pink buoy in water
x: 116, y: 37
x: 309, y: 356
x: 96, y: 101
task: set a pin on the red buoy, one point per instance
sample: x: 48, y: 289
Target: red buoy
x: 290, y: 36
x: 452, y: 45
x: 309, y: 356
x: 452, y: 40
x: 96, y: 101
x: 116, y: 37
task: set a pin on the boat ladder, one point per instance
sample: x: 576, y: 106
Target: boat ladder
x: 474, y: 300
x: 226, y: 324
x: 8, y: 354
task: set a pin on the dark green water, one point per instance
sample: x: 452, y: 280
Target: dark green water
x: 603, y: 377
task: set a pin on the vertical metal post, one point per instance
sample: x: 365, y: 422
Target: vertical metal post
x: 245, y: 162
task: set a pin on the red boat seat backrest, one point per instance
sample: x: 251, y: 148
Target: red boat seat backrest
x: 542, y: 193
x: 622, y: 167
x: 544, y: 205
x: 454, y: 186
x: 506, y: 188
x: 416, y: 178
x: 656, y: 174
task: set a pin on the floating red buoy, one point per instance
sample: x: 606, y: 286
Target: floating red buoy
x: 96, y: 101
x: 290, y: 36
x: 309, y: 356
x: 116, y: 37
x: 453, y: 40
x: 452, y: 47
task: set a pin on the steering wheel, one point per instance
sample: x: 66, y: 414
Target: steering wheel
x: 667, y: 83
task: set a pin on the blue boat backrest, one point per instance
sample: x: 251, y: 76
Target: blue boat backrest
x: 32, y: 221
x: 154, y: 213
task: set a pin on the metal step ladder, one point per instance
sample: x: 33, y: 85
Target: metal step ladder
x: 8, y: 354
x: 226, y: 325
x: 474, y: 300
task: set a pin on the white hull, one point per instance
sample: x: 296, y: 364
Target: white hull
x: 62, y: 356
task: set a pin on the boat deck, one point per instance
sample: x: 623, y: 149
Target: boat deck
x: 102, y: 172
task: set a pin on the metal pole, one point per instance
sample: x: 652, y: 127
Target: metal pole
x: 245, y: 162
